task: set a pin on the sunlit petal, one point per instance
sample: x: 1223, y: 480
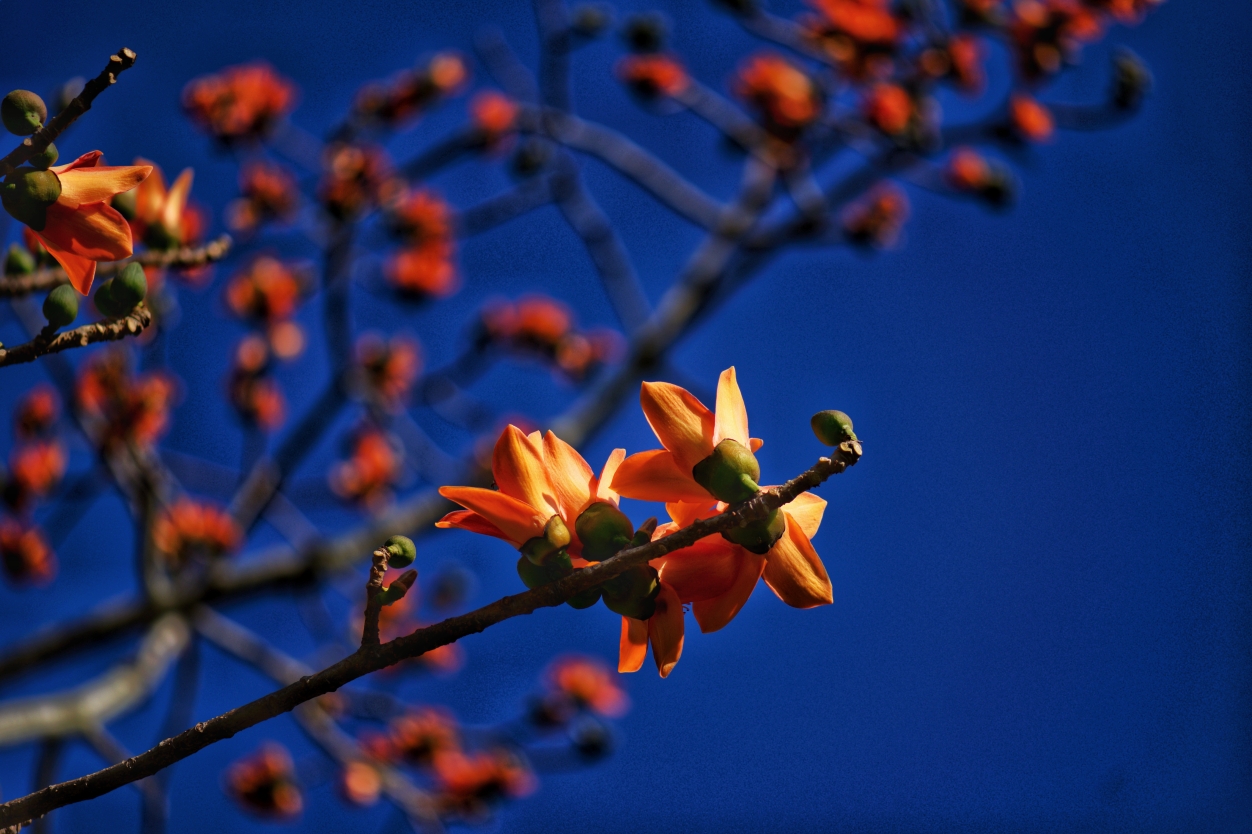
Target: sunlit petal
x: 716, y: 612
x: 680, y: 421
x: 517, y: 520
x: 471, y: 521
x: 518, y: 466
x: 633, y: 647
x: 795, y: 573
x: 80, y: 186
x: 665, y: 630
x: 656, y: 476
x: 603, y: 485
x: 731, y: 420
x: 806, y: 509
x: 569, y: 475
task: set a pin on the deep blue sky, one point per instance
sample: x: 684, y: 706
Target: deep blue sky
x: 1041, y: 571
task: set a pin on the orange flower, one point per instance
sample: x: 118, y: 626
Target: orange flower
x: 470, y: 782
x: 589, y: 684
x: 966, y: 54
x: 420, y: 215
x: 1030, y: 119
x: 538, y: 478
x: 360, y: 783
x: 258, y: 399
x: 493, y: 114
x: 652, y: 75
x: 34, y: 471
x: 418, y: 736
x: 867, y: 21
x: 689, y: 432
x: 269, y: 193
x: 889, y: 108
x: 37, y: 413
x: 265, y: 783
x: 81, y: 227
x: 266, y: 289
x: 240, y: 102
x: 159, y: 212
x: 24, y: 554
x: 1049, y: 32
x: 425, y: 270
x: 189, y: 529
x: 877, y: 218
x: 406, y: 95
x: 967, y: 170
x: 357, y: 178
x: 124, y: 408
x: 783, y: 92
x: 388, y: 369
x: 369, y: 473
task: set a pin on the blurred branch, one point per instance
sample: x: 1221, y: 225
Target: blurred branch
x: 46, y: 135
x: 371, y: 658
x: 109, y: 330
x: 187, y: 256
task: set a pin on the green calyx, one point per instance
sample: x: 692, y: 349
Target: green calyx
x: 760, y: 535
x: 27, y: 193
x: 832, y: 427
x: 130, y: 288
x: 105, y: 302
x: 400, y: 551
x: 557, y: 567
x: 603, y: 530
x: 396, y: 590
x: 17, y: 261
x: 125, y: 203
x: 23, y: 112
x: 554, y: 540
x: 633, y: 592
x: 45, y: 160
x: 730, y: 474
x: 61, y: 306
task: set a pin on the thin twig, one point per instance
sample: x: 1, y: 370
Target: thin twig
x: 109, y: 330
x: 51, y: 277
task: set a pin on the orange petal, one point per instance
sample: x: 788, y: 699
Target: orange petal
x: 681, y: 422
x: 731, y: 420
x: 176, y: 200
x: 518, y: 467
x: 715, y: 613
x: 656, y: 476
x: 150, y: 196
x: 81, y: 271
x: 602, y: 486
x: 569, y: 475
x: 806, y: 509
x: 794, y: 572
x: 755, y: 443
x: 80, y: 186
x: 87, y: 160
x: 685, y: 513
x: 633, y: 647
x: 471, y: 521
x: 93, y: 231
x: 518, y: 521
x: 665, y: 630
x: 705, y: 570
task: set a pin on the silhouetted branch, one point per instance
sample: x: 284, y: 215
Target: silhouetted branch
x: 109, y: 330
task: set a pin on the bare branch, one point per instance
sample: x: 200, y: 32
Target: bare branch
x: 109, y: 330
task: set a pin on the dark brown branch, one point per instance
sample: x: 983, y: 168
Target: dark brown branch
x: 109, y: 330
x: 372, y: 658
x: 373, y: 600
x: 186, y: 256
x: 46, y: 135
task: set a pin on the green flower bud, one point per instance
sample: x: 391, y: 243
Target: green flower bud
x: 61, y: 306
x: 633, y: 593
x: 18, y: 261
x: 106, y: 303
x: 23, y: 112
x: 554, y: 540
x: 1131, y: 80
x: 760, y: 535
x: 557, y: 567
x: 44, y: 161
x: 832, y: 427
x: 396, y: 590
x: 730, y: 473
x: 603, y: 529
x: 585, y: 599
x: 130, y: 288
x: 27, y: 193
x: 125, y: 203
x: 400, y: 549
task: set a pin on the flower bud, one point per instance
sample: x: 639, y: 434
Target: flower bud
x: 18, y: 261
x: 730, y: 473
x: 105, y: 302
x: 396, y: 590
x: 400, y: 551
x: 46, y: 159
x: 832, y: 427
x: 603, y: 529
x: 130, y: 288
x: 584, y: 599
x: 557, y: 567
x: 1131, y: 80
x: 633, y: 593
x: 554, y: 540
x: 23, y: 112
x: 27, y: 193
x: 760, y: 535
x: 61, y: 306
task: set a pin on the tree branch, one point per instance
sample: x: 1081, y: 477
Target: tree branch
x: 109, y: 330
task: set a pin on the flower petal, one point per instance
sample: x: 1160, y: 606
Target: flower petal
x: 80, y: 186
x: 806, y: 509
x: 87, y: 160
x: 794, y: 571
x: 665, y: 630
x: 731, y: 420
x: 518, y: 521
x: 715, y: 613
x: 685, y: 513
x: 602, y: 486
x: 81, y: 271
x: 657, y: 476
x: 471, y: 521
x: 705, y: 570
x: 518, y: 466
x: 633, y: 647
x: 150, y: 196
x: 569, y: 475
x: 680, y: 421
x: 755, y: 443
x: 176, y: 200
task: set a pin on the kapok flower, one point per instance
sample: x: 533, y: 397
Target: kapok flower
x: 494, y: 114
x: 370, y: 471
x: 418, y: 736
x: 1029, y: 119
x: 269, y: 192
x: 35, y: 468
x: 37, y: 412
x: 420, y: 215
x: 80, y: 227
x: 123, y: 407
x: 240, y: 102
x: 266, y: 289
x: 159, y: 212
x: 877, y: 218
x: 360, y: 783
x: 265, y: 783
x: 410, y: 92
x: 24, y: 554
x: 889, y: 108
x: 357, y: 178
x: 422, y: 271
x: 388, y: 369
x: 589, y: 684
x: 257, y: 399
x: 783, y: 92
x: 860, y: 35
x: 469, y: 783
x: 189, y: 529
x: 653, y: 74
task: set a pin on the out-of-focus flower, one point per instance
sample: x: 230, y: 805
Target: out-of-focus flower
x: 24, y: 554
x: 424, y: 270
x: 470, y: 783
x: 650, y: 75
x: 161, y: 214
x: 264, y: 783
x: 388, y: 369
x: 1030, y: 120
x: 784, y: 93
x: 266, y: 290
x: 37, y: 412
x: 360, y: 783
x: 1128, y: 12
x: 877, y: 218
x: 889, y: 108
x: 124, y: 408
x: 1047, y: 33
x: 420, y: 216
x: 66, y: 209
x: 404, y: 97
x: 418, y: 736
x: 269, y: 193
x: 35, y: 468
x: 370, y: 471
x: 970, y: 172
x: 240, y: 102
x: 356, y: 179
x: 544, y: 326
x: 190, y: 529
x: 961, y: 60
x: 859, y: 35
x: 589, y: 684
x: 257, y: 399
x: 494, y: 114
